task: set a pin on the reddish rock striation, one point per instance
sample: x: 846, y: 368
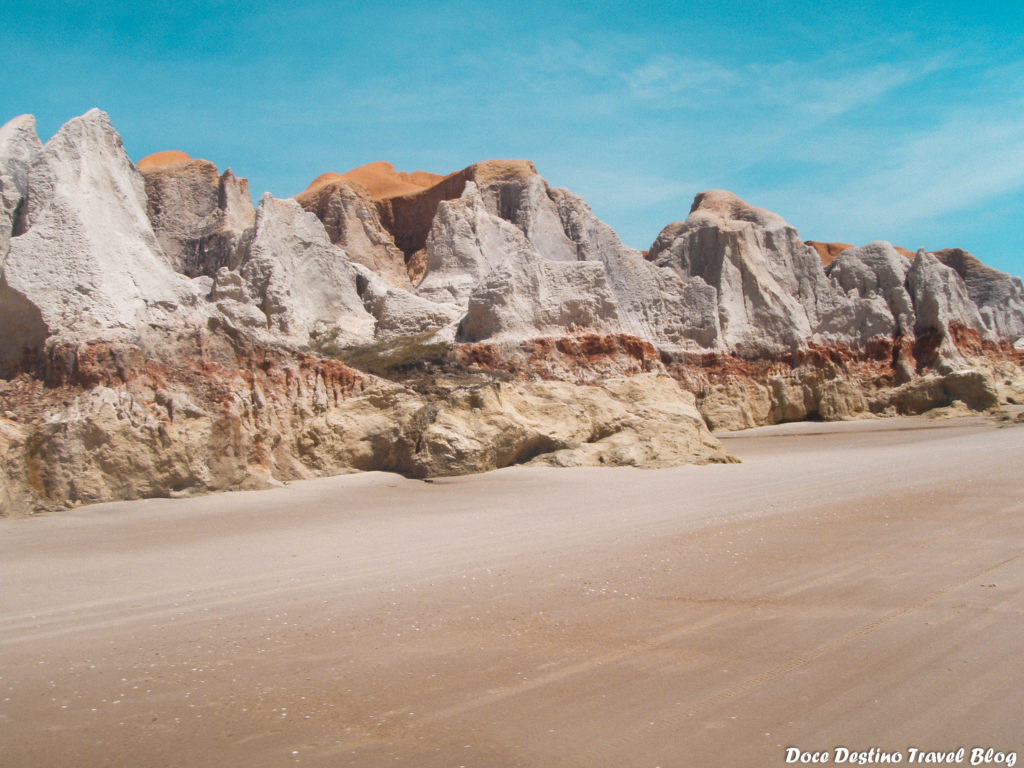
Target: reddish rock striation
x: 585, y: 357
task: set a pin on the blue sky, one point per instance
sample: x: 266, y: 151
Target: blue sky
x: 901, y: 121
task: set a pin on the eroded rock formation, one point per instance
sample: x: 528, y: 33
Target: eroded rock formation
x: 160, y: 335
x: 199, y: 217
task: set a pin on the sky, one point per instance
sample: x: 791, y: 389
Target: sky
x: 855, y: 121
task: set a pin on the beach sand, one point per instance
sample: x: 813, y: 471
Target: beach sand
x: 856, y: 584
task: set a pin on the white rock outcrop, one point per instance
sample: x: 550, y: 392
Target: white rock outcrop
x: 873, y: 279
x: 19, y: 146
x: 768, y: 283
x: 466, y: 242
x: 508, y: 222
x: 352, y: 222
x: 527, y: 297
x: 941, y: 300
x: 399, y: 313
x: 655, y: 302
x: 292, y: 282
x: 84, y: 262
x: 294, y: 287
x: 998, y: 296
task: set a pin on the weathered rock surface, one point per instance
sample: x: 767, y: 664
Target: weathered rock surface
x: 654, y: 302
x: 194, y: 425
x: 199, y: 217
x: 19, y: 146
x: 941, y: 301
x: 644, y: 420
x: 352, y: 220
x: 292, y: 282
x: 294, y: 287
x: 874, y: 279
x: 84, y: 262
x: 527, y: 296
x: 466, y: 243
x: 999, y: 296
x: 768, y: 283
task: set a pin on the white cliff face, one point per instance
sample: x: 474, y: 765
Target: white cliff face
x: 768, y: 282
x: 940, y: 296
x: 528, y: 260
x: 294, y: 287
x: 655, y: 302
x: 399, y: 313
x: 872, y: 279
x: 527, y: 297
x: 998, y: 296
x: 85, y: 262
x: 19, y: 146
x: 941, y: 300
x: 292, y: 281
x: 353, y: 223
x: 466, y: 242
x: 508, y: 258
x: 525, y: 201
x: 517, y: 277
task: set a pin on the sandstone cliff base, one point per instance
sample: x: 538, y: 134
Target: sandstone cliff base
x: 856, y: 583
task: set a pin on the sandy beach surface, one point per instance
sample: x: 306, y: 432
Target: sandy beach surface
x: 857, y: 584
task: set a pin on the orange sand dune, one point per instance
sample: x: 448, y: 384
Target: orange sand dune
x: 827, y: 252
x: 159, y: 159
x: 381, y: 180
x: 407, y: 202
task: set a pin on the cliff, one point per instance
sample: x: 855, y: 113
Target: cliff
x: 162, y: 336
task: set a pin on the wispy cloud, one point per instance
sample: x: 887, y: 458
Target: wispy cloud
x: 938, y: 170
x: 808, y: 94
x: 662, y: 75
